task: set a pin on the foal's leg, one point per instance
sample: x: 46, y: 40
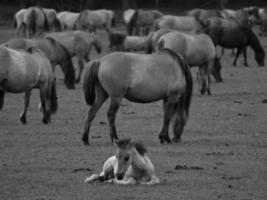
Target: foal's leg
x: 202, y: 79
x: 101, y: 97
x: 2, y: 96
x: 81, y: 66
x: 168, y: 108
x: 26, y: 104
x: 112, y: 111
x: 237, y: 54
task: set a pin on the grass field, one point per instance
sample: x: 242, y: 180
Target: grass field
x: 226, y: 137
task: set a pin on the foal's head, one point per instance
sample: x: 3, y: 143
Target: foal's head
x: 127, y: 153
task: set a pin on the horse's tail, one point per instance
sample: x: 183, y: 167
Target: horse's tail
x: 46, y: 24
x: 15, y: 23
x: 132, y: 23
x: 149, y: 45
x: 113, y: 22
x: 53, y: 97
x: 185, y: 99
x: 90, y: 79
x: 32, y: 21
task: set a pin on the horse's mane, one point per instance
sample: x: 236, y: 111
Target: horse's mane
x: 201, y: 22
x: 123, y: 143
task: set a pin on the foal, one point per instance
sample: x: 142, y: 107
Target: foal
x: 130, y: 165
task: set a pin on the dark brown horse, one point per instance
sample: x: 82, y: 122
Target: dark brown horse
x: 238, y: 37
x: 143, y: 79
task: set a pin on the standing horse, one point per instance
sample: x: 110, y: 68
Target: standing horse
x: 78, y: 43
x: 240, y: 38
x: 56, y: 53
x: 153, y: 38
x: 32, y: 21
x: 130, y: 165
x: 179, y: 23
x: 19, y: 24
x: 139, y: 78
x: 204, y: 14
x: 92, y: 19
x: 67, y: 19
x: 21, y: 72
x: 53, y: 22
x: 197, y: 50
x: 142, y: 19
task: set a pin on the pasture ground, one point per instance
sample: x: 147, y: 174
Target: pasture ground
x: 225, y: 141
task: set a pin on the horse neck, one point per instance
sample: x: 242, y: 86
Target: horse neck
x: 253, y: 41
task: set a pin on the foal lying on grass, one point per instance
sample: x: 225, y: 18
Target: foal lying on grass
x: 130, y: 165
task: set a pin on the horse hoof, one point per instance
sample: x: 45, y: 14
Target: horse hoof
x: 202, y: 91
x: 23, y: 120
x: 176, y: 139
x: 77, y: 81
x: 208, y: 92
x: 164, y: 139
x: 46, y: 121
x: 85, y: 140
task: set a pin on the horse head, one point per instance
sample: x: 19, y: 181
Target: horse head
x: 127, y: 153
x: 96, y: 43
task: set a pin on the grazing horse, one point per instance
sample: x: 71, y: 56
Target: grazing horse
x: 31, y: 21
x: 130, y: 165
x: 56, y: 53
x: 140, y: 78
x: 179, y: 23
x: 92, y: 19
x: 197, y: 50
x: 127, y: 43
x: 22, y: 71
x: 204, y: 14
x: 78, y: 43
x: 67, y: 19
x: 141, y: 19
x: 238, y: 37
x: 53, y: 22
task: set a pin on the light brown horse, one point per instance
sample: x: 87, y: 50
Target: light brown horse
x: 139, y: 78
x: 197, y: 49
x: 22, y: 71
x: 78, y: 43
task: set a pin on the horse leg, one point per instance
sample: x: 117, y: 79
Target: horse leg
x: 245, y: 56
x: 26, y: 105
x: 111, y: 114
x: 44, y: 104
x: 101, y: 97
x: 180, y: 119
x: 202, y: 79
x: 237, y: 54
x: 81, y: 66
x: 168, y: 110
x: 2, y: 96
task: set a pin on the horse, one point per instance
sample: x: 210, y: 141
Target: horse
x: 153, y: 38
x: 141, y: 19
x: 92, y: 19
x: 240, y: 16
x: 259, y: 16
x: 67, y: 19
x: 56, y: 53
x: 78, y: 43
x: 18, y: 22
x: 216, y: 69
x: 125, y: 42
x: 204, y: 14
x: 32, y: 21
x: 21, y: 71
x: 179, y: 23
x: 140, y: 78
x: 197, y: 50
x: 238, y: 37
x: 130, y: 165
x: 53, y: 22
